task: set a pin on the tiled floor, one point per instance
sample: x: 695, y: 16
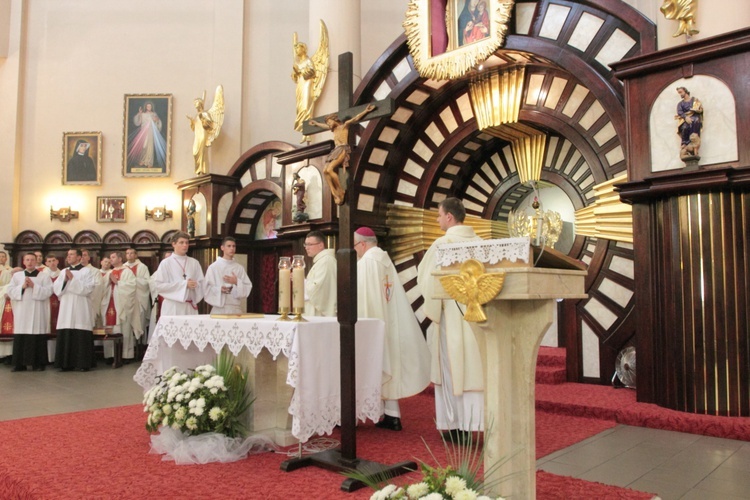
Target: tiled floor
x: 674, y: 465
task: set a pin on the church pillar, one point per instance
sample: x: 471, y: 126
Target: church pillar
x: 343, y: 20
x: 11, y: 96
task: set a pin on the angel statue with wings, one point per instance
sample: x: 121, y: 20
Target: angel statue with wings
x: 309, y: 75
x: 206, y: 125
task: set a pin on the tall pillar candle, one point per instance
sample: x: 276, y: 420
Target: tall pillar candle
x: 298, y: 293
x: 284, y: 288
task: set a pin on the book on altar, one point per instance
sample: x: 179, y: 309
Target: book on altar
x: 238, y: 316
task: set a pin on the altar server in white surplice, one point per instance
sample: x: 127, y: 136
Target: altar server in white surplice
x: 380, y: 294
x: 142, y: 292
x: 75, y: 339
x: 179, y: 280
x: 156, y: 299
x: 118, y: 305
x: 456, y: 361
x: 30, y: 291
x: 320, y: 283
x: 227, y: 284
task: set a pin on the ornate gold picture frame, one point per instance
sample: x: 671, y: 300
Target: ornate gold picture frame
x: 448, y: 42
x: 82, y: 158
x: 146, y: 142
x: 111, y: 209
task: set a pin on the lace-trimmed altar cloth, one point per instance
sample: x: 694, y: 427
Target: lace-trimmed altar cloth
x: 312, y: 349
x: 486, y: 251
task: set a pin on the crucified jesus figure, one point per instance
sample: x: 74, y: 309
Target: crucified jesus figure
x: 339, y: 157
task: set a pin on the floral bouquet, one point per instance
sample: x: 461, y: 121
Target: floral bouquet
x: 436, y: 484
x: 208, y: 399
x: 461, y: 480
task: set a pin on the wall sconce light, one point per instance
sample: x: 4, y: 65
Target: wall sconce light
x: 158, y: 213
x: 64, y: 214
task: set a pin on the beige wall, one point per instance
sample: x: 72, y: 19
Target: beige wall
x: 70, y: 63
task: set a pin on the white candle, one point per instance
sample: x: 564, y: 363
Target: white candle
x: 284, y: 292
x: 298, y: 280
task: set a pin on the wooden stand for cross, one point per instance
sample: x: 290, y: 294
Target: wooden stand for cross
x: 345, y: 458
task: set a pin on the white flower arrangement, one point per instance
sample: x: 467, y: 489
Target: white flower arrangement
x: 436, y: 484
x: 210, y: 399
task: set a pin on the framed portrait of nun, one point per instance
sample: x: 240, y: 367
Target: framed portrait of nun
x: 82, y: 158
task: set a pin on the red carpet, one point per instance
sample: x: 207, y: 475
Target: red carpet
x: 104, y: 454
x: 620, y: 406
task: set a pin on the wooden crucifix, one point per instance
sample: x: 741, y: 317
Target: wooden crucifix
x: 345, y: 458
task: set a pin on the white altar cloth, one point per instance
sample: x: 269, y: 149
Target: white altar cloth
x: 312, y: 349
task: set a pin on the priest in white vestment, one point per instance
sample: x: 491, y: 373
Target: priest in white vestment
x: 227, y: 284
x: 142, y: 292
x: 118, y: 305
x: 99, y: 291
x: 75, y: 339
x: 156, y: 300
x: 30, y: 291
x: 180, y: 280
x: 380, y: 294
x: 456, y: 361
x: 320, y: 283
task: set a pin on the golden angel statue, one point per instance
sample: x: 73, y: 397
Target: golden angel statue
x: 309, y: 74
x: 206, y: 125
x: 684, y: 12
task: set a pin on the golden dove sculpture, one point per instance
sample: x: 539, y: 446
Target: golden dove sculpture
x: 473, y: 287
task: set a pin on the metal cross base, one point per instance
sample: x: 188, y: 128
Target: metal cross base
x: 332, y: 460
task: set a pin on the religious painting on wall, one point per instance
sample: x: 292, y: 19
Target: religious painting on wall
x: 82, y: 158
x: 270, y: 221
x: 146, y: 146
x: 111, y: 209
x: 449, y: 38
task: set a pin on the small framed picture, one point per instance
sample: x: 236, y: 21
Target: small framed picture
x: 111, y: 209
x: 146, y: 145
x: 82, y: 158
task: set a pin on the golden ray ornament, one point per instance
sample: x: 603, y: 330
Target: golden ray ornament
x: 496, y: 96
x: 607, y: 217
x: 473, y: 287
x: 460, y: 56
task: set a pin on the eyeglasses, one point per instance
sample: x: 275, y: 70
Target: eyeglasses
x: 312, y: 244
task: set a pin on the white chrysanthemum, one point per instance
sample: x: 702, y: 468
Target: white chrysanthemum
x: 454, y: 484
x: 465, y: 495
x: 179, y: 397
x: 167, y: 409
x: 201, y: 402
x: 165, y: 422
x: 433, y: 496
x: 191, y: 404
x: 214, y: 390
x: 418, y: 490
x: 216, y: 413
x: 379, y: 495
x: 197, y: 411
x: 388, y: 490
x: 191, y: 423
x: 180, y: 413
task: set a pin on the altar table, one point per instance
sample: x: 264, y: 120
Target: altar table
x: 304, y: 383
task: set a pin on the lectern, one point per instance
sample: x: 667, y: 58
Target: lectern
x: 509, y: 343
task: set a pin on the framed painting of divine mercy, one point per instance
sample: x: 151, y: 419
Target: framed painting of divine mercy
x: 448, y: 38
x: 146, y: 142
